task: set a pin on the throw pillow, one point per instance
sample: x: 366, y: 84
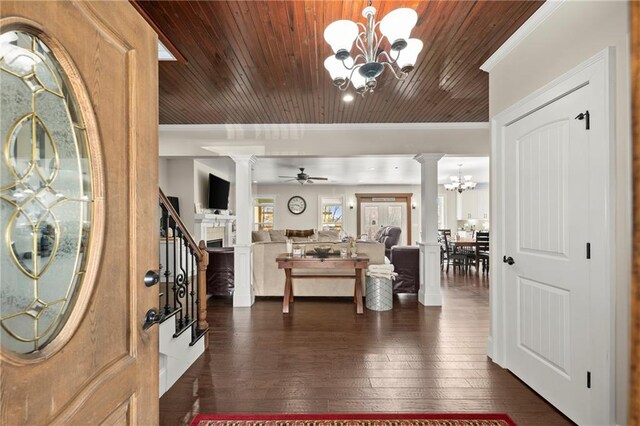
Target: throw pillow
x: 260, y: 236
x: 278, y: 235
x: 300, y: 239
x: 300, y: 232
x: 328, y: 236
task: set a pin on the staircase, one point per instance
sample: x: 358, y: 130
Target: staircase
x: 183, y: 297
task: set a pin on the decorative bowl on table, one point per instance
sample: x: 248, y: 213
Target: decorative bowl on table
x: 322, y: 251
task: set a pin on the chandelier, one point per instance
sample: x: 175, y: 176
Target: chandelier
x: 460, y: 183
x: 370, y: 61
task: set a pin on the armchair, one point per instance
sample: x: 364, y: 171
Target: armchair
x: 389, y: 236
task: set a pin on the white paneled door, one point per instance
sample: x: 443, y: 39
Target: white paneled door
x: 547, y: 282
x: 376, y: 215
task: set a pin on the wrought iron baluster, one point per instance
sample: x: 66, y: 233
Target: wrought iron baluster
x: 192, y: 294
x: 175, y: 268
x: 160, y: 265
x: 167, y: 272
x: 187, y: 280
x: 180, y: 283
x: 197, y: 286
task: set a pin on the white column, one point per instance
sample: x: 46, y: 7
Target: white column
x: 243, y: 293
x: 430, y: 293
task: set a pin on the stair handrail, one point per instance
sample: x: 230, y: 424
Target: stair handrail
x: 164, y: 201
x: 199, y: 250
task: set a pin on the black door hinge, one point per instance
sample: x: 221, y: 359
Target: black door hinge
x: 585, y: 116
x: 588, y: 250
x: 588, y: 379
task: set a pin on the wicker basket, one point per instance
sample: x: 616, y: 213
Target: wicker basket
x: 379, y: 294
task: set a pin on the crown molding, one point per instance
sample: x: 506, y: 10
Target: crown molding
x: 522, y: 33
x: 323, y: 127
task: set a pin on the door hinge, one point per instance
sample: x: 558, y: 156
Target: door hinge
x: 585, y: 116
x: 588, y: 250
x: 588, y: 379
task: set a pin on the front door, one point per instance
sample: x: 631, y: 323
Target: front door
x: 546, y: 230
x: 78, y: 199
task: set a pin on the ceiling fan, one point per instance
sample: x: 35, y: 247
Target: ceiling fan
x: 302, y: 177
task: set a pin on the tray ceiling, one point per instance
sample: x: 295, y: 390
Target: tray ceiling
x: 262, y: 61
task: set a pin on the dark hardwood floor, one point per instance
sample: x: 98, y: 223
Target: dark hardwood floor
x: 324, y: 358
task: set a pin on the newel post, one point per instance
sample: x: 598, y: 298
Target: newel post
x: 202, y: 291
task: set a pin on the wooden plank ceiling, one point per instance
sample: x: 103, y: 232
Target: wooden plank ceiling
x: 262, y: 61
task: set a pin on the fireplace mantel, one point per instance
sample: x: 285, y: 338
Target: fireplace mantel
x: 205, y: 221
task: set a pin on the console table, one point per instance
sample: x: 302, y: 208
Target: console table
x: 288, y: 262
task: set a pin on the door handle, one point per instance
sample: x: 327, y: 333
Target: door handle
x: 151, y: 278
x: 152, y: 317
x: 508, y: 260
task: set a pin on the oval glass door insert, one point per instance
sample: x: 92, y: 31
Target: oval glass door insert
x: 45, y: 194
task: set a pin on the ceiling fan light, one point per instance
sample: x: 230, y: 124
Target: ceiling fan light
x: 409, y: 56
x: 397, y: 26
x: 340, y: 35
x: 337, y: 70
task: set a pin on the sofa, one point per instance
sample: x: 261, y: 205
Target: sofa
x: 268, y: 280
x: 406, y: 263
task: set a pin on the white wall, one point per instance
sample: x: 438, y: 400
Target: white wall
x: 179, y: 183
x: 188, y: 179
x: 163, y: 173
x: 284, y: 219
x: 574, y: 33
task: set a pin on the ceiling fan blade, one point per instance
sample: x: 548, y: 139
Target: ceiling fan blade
x: 289, y: 180
x: 288, y: 177
x: 318, y: 178
x: 309, y: 181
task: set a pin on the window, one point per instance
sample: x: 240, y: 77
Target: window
x: 263, y: 210
x: 331, y: 214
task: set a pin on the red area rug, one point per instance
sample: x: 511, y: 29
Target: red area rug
x: 370, y: 419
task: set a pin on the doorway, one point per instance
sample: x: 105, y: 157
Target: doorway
x: 376, y: 211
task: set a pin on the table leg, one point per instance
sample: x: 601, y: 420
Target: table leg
x: 358, y: 291
x: 290, y: 287
x: 287, y: 291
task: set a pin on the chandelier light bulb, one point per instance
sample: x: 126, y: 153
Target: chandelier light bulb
x: 338, y: 70
x: 358, y: 81
x: 397, y: 26
x: 340, y: 35
x: 409, y: 55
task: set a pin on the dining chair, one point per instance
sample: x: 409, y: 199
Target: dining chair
x: 481, y: 254
x: 453, y: 256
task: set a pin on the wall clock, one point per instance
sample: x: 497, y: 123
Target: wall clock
x: 297, y: 204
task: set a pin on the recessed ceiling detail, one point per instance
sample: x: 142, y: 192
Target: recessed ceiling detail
x: 252, y: 62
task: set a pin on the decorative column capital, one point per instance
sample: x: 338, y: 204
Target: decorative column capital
x: 425, y: 157
x: 244, y: 158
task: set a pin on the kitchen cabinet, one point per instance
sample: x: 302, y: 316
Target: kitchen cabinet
x: 473, y: 204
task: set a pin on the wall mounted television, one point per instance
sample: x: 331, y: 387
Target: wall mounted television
x: 218, y: 193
